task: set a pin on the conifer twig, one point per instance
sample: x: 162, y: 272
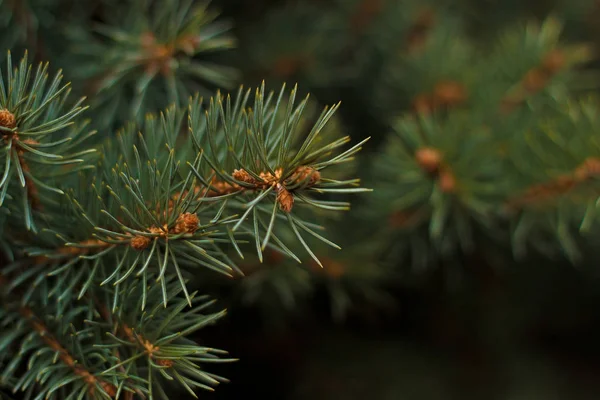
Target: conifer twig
x: 39, y: 327
x: 65, y: 357
x: 537, y: 193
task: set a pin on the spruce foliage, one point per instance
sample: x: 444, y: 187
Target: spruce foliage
x: 129, y: 198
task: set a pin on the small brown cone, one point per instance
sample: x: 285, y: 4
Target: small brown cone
x: 554, y: 61
x: 308, y: 174
x: 447, y: 181
x: 243, y: 176
x: 534, y: 80
x: 593, y: 165
x: 187, y: 222
x: 285, y: 199
x: 7, y: 119
x: 449, y: 93
x: 429, y: 159
x: 140, y: 242
x: 587, y: 169
x: 165, y: 363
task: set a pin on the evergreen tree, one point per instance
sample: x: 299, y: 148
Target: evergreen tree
x: 138, y: 202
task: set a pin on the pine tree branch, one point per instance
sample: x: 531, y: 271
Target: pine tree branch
x: 154, y: 342
x: 118, y: 328
x: 18, y: 150
x: 45, y: 335
x: 304, y: 177
x: 152, y: 54
x: 535, y: 80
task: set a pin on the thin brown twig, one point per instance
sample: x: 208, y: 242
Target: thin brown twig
x: 561, y: 185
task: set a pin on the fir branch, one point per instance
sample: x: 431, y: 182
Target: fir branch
x: 81, y: 378
x: 156, y: 217
x: 92, y: 381
x: 152, y: 55
x: 264, y: 149
x: 154, y: 343
x: 33, y: 116
x: 303, y: 177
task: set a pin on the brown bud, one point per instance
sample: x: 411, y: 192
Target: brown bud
x: 140, y: 242
x: 307, y: 174
x: 147, y: 39
x: 534, y: 80
x: 243, y: 176
x: 187, y: 222
x: 150, y: 347
x: 447, y: 181
x: 269, y: 178
x: 158, y: 231
x: 7, y: 119
x: 449, y: 93
x: 165, y: 363
x: 429, y: 159
x: 285, y: 199
x: 554, y: 61
x: 593, y: 165
x: 589, y: 168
